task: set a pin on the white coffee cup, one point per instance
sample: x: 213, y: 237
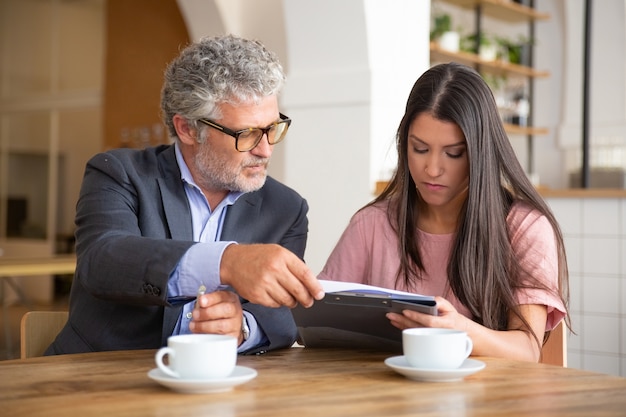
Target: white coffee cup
x: 433, y: 348
x: 198, y: 356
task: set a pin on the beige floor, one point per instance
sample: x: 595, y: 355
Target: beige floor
x: 10, y: 335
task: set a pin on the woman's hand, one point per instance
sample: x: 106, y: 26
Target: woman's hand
x: 513, y: 343
x: 447, y: 317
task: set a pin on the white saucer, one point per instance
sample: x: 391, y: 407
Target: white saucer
x: 400, y: 365
x: 240, y: 375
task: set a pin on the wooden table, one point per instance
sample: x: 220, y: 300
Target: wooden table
x: 20, y: 267
x: 302, y: 382
x: 59, y: 264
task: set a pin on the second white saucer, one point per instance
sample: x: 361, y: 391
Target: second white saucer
x: 400, y: 365
x: 240, y: 375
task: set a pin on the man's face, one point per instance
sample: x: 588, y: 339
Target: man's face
x: 218, y: 166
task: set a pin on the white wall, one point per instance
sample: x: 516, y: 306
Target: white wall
x: 548, y: 93
x: 396, y: 60
x: 594, y: 230
x: 607, y: 84
x: 328, y: 95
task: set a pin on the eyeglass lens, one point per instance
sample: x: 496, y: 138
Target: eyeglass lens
x: 250, y: 138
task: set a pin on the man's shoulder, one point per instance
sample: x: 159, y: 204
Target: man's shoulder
x: 274, y: 196
x: 273, y: 187
x: 137, y: 155
x: 142, y: 161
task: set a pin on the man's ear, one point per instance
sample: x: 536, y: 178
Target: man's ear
x: 186, y: 133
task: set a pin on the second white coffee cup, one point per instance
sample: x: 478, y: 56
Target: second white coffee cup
x: 434, y: 348
x: 198, y: 356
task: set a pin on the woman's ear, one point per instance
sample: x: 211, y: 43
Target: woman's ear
x: 186, y: 133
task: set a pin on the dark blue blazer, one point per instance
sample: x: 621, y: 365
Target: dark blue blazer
x: 133, y: 225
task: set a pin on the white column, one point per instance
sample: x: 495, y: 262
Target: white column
x: 351, y: 66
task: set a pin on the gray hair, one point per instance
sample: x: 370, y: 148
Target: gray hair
x: 216, y: 70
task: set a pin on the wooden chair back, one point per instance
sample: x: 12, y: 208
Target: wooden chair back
x: 554, y: 351
x: 38, y: 329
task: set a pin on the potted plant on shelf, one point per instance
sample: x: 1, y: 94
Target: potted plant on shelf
x: 516, y: 52
x: 520, y: 51
x: 443, y: 34
x: 486, y: 46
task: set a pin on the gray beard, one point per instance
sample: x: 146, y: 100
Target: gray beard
x: 217, y: 174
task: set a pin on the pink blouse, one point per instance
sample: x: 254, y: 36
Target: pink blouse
x: 367, y: 253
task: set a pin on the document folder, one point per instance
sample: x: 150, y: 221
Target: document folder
x: 354, y: 316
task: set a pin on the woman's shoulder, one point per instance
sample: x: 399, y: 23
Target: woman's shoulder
x: 521, y: 208
x: 524, y: 216
x: 371, y: 212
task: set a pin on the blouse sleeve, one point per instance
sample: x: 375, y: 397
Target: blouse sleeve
x: 534, y: 243
x: 348, y: 260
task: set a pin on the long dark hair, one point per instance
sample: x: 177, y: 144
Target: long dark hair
x: 483, y: 272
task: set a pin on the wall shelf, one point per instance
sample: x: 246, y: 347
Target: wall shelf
x: 495, y: 67
x: 525, y: 130
x: 505, y: 10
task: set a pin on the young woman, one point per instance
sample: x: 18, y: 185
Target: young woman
x: 460, y: 220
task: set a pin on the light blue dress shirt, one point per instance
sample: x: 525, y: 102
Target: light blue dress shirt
x: 201, y: 263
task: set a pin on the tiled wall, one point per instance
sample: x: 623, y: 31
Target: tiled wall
x: 595, y: 240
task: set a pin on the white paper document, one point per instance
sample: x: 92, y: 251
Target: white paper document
x: 340, y: 286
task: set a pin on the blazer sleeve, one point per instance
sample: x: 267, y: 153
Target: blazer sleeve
x: 133, y: 225
x: 120, y: 219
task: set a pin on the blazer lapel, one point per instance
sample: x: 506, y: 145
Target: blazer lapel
x: 173, y: 197
x: 178, y: 217
x: 176, y: 208
x: 241, y: 219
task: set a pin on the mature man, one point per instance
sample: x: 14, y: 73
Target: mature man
x: 157, y: 226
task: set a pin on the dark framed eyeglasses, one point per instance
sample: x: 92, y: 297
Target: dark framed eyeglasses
x: 248, y: 139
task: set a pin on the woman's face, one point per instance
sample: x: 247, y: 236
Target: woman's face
x: 438, y: 162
